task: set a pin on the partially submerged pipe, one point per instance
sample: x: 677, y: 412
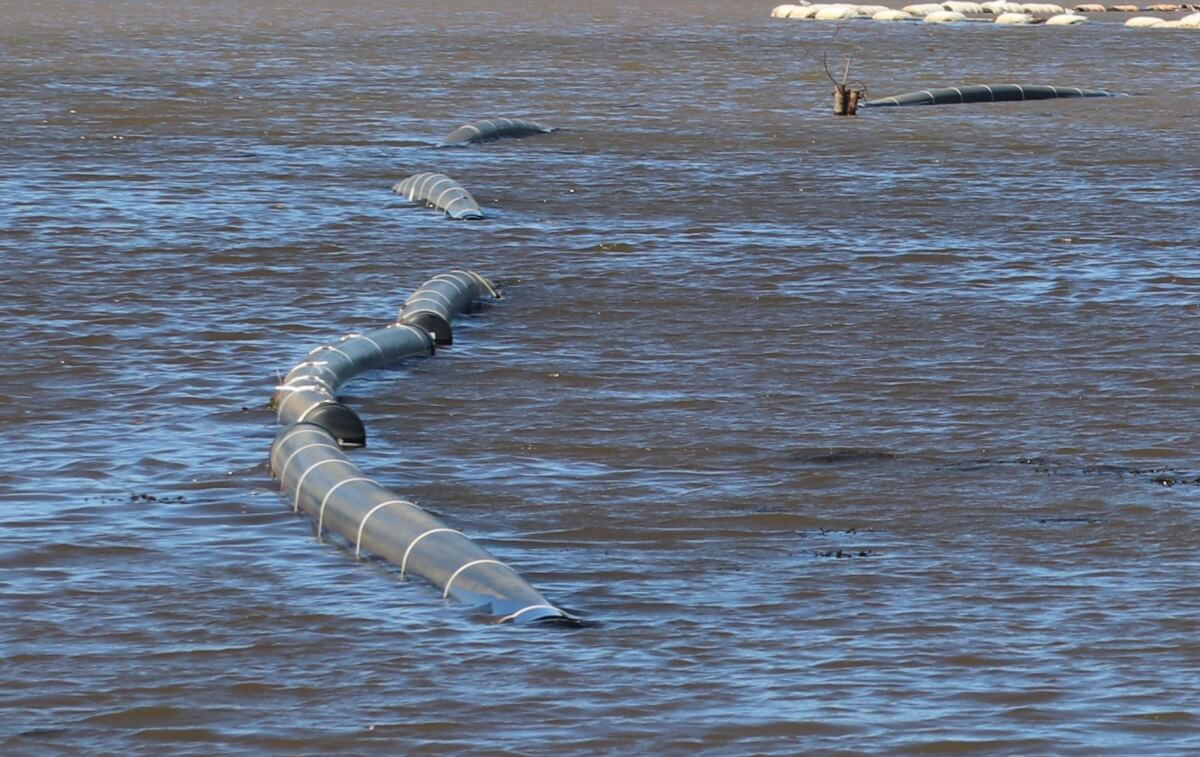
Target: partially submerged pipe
x: 318, y: 479
x: 984, y: 93
x: 314, y: 472
x: 308, y: 393
x: 437, y: 190
x: 439, y: 300
x: 492, y: 128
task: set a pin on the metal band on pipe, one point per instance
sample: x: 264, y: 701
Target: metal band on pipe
x: 454, y: 575
x: 332, y: 489
x: 363, y: 524
x: 413, y: 543
x: 310, y: 469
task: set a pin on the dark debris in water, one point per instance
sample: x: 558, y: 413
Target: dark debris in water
x: 1069, y: 521
x: 842, y: 456
x: 137, y: 497
x: 844, y: 553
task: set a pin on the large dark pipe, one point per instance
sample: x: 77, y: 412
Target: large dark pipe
x: 986, y: 93
x: 318, y: 478
x: 492, y: 128
x: 437, y: 190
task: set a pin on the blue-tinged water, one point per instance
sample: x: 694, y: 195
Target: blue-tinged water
x: 870, y: 435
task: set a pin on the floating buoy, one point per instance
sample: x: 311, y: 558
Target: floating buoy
x: 977, y: 93
x: 492, y: 128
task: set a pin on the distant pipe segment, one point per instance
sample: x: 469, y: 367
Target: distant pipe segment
x: 492, y: 128
x: 979, y: 93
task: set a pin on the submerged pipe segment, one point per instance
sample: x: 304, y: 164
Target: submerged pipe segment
x: 318, y: 478
x: 984, y: 93
x: 492, y: 128
x: 437, y: 190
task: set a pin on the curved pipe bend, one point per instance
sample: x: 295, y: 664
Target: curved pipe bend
x: 437, y: 190
x: 313, y: 471
x: 982, y: 93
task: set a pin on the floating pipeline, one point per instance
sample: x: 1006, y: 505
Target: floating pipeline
x: 492, y: 128
x: 437, y: 190
x: 308, y: 393
x: 986, y: 93
x: 313, y: 471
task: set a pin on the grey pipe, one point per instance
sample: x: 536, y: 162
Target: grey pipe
x: 437, y: 190
x: 982, y: 93
x: 439, y: 300
x: 319, y: 479
x: 491, y: 128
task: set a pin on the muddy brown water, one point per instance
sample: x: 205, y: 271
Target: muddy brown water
x: 871, y: 435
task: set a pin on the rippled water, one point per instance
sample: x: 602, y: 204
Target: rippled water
x: 864, y: 435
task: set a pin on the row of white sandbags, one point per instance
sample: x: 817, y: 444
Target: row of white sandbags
x: 844, y: 11
x: 930, y: 13
x: 1154, y: 22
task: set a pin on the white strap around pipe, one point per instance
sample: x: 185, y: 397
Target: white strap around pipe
x: 454, y: 575
x: 361, y: 526
x: 318, y: 464
x: 375, y: 344
x: 286, y: 463
x: 332, y: 489
x: 413, y: 543
x: 524, y: 610
x: 289, y: 435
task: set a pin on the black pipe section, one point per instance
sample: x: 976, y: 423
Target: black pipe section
x: 319, y: 479
x: 437, y: 190
x: 492, y: 128
x: 986, y: 93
